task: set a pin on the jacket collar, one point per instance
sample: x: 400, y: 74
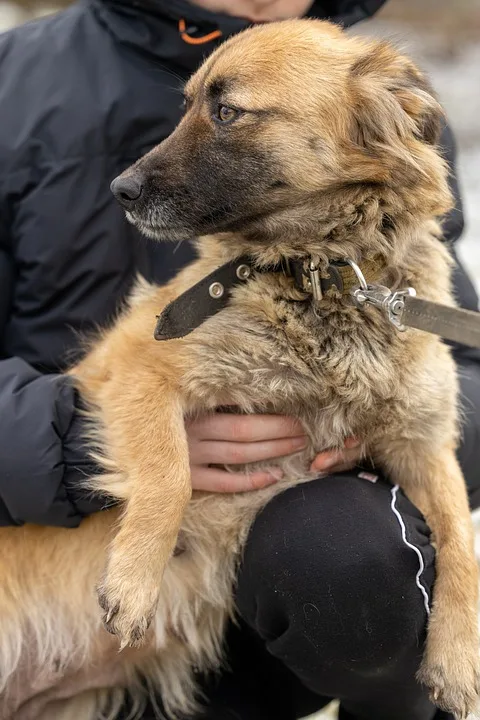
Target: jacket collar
x: 151, y: 27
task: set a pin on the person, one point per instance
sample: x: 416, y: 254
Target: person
x: 337, y: 576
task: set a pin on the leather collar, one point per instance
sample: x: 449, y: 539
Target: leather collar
x: 213, y: 292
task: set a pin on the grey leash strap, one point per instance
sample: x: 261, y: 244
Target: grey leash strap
x: 461, y: 326
x: 403, y: 309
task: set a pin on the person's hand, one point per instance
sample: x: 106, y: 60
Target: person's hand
x: 229, y: 439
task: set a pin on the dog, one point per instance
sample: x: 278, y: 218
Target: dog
x: 299, y: 145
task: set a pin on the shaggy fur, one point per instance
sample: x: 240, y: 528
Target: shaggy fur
x: 298, y: 141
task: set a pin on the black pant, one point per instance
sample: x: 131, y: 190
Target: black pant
x: 333, y: 595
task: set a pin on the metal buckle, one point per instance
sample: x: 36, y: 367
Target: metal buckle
x: 392, y: 303
x: 311, y: 281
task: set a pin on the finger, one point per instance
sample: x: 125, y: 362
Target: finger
x: 220, y: 481
x: 244, y: 428
x: 238, y: 453
x: 325, y: 460
x: 352, y: 442
x: 333, y: 458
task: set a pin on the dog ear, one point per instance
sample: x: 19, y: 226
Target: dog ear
x: 392, y: 100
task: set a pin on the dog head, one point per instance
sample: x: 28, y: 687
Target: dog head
x: 293, y: 128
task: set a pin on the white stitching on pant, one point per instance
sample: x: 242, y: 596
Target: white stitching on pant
x: 418, y: 582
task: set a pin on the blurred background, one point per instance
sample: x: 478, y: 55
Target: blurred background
x: 444, y: 37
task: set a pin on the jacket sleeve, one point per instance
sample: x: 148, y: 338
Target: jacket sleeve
x: 42, y: 456
x: 468, y: 359
x: 453, y: 226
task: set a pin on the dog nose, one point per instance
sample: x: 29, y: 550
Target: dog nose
x: 127, y: 190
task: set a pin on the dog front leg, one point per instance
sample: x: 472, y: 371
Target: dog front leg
x: 434, y: 483
x: 160, y: 488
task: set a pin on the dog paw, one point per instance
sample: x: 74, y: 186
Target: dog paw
x: 454, y: 686
x: 128, y: 605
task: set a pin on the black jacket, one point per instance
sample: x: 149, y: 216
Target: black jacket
x: 83, y: 94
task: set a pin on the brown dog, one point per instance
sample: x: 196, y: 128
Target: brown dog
x: 299, y: 143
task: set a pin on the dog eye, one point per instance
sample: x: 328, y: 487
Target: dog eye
x: 226, y: 114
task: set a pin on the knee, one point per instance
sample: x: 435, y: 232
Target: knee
x: 333, y: 558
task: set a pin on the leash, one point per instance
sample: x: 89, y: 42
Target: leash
x: 401, y: 307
